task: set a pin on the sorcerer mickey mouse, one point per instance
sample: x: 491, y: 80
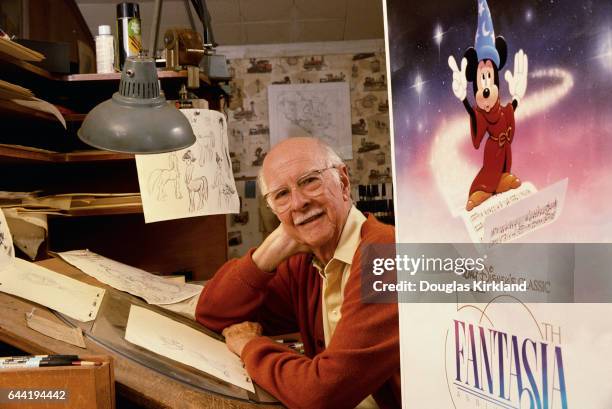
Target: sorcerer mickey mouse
x: 481, y: 65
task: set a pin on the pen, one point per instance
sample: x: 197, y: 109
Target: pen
x: 36, y: 364
x: 86, y: 363
x: 39, y: 357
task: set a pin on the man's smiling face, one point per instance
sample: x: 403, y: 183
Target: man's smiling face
x: 316, y: 221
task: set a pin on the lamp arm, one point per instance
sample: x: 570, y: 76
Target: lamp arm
x: 155, y: 28
x: 204, y: 15
x: 189, y: 15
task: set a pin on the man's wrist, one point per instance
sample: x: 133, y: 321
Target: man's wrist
x: 263, y: 261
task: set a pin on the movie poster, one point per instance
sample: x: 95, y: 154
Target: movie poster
x: 502, y: 129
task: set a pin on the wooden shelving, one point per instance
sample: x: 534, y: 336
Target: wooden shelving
x: 161, y: 74
x: 131, y: 208
x: 12, y: 153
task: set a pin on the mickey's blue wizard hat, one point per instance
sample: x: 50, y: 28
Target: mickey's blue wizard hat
x: 484, y: 43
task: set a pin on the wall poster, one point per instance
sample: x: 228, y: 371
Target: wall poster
x: 502, y: 130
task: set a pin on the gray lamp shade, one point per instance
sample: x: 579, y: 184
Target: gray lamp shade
x: 137, y: 119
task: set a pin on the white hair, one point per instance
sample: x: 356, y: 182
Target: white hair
x: 331, y: 159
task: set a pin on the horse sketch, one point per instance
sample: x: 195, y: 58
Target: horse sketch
x: 159, y: 178
x: 195, y: 187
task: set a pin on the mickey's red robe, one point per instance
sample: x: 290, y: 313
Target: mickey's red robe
x: 499, y: 124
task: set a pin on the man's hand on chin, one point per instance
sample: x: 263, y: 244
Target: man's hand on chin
x: 238, y: 335
x: 278, y: 246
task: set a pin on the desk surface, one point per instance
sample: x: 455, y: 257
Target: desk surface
x: 135, y: 382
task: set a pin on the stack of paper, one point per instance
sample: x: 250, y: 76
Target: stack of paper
x: 27, y: 212
x: 12, y: 91
x: 19, y: 51
x: 43, y: 286
x: 67, y: 203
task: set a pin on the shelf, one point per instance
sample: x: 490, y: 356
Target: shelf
x: 132, y: 208
x: 161, y: 74
x: 116, y: 76
x: 20, y: 153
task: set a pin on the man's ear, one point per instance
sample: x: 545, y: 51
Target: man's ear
x: 345, y: 182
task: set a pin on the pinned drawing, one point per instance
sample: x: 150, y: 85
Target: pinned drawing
x: 193, y: 168
x: 159, y: 178
x: 198, y: 187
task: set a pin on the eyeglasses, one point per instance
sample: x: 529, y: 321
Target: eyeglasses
x: 309, y: 185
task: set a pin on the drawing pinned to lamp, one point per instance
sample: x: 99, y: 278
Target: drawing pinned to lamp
x: 195, y: 181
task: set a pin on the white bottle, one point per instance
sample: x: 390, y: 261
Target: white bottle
x: 105, y: 51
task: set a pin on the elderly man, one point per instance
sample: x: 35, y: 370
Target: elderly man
x: 305, y: 277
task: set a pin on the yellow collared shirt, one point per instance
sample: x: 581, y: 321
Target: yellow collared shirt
x: 335, y: 275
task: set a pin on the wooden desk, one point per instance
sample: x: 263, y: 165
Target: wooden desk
x: 134, y: 382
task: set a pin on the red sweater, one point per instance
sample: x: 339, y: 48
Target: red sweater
x: 362, y: 357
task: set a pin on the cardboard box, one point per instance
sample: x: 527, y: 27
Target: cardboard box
x: 81, y: 387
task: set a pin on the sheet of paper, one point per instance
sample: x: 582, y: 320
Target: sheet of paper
x: 186, y: 308
x: 10, y: 91
x: 195, y: 181
x: 62, y: 203
x: 29, y: 230
x: 526, y: 215
x: 19, y: 51
x: 7, y: 253
x: 38, y: 284
x: 55, y: 330
x: 475, y: 219
x: 186, y: 345
x: 154, y: 289
x: 43, y: 106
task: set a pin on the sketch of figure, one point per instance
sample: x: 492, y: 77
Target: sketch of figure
x: 225, y: 191
x: 224, y: 148
x: 195, y: 187
x: 218, y: 365
x: 159, y: 178
x: 218, y: 181
x: 207, y: 145
x: 172, y: 343
x: 40, y: 280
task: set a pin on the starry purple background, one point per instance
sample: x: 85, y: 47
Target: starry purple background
x: 573, y: 138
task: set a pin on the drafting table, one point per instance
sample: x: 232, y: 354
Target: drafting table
x: 151, y: 383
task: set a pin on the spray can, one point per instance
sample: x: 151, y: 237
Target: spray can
x: 105, y: 51
x: 129, y: 38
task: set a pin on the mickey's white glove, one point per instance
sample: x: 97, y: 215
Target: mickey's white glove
x: 459, y: 79
x: 517, y: 82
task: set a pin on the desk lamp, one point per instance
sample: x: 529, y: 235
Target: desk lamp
x: 137, y: 119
